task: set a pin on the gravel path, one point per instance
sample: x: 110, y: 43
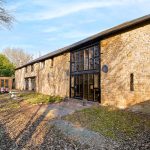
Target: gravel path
x: 28, y: 128
x: 34, y: 128
x: 141, y: 142
x: 85, y: 136
x: 35, y: 134
x: 99, y: 142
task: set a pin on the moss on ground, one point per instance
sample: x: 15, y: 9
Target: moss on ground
x: 6, y: 103
x: 112, y: 123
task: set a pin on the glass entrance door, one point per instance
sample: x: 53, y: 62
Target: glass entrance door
x: 86, y: 86
x: 78, y: 86
x: 91, y: 87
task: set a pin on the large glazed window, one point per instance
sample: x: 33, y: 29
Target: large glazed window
x: 85, y: 73
x: 85, y: 59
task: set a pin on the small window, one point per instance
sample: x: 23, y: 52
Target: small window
x: 2, y: 83
x: 26, y: 69
x: 6, y: 83
x: 42, y: 64
x: 32, y: 68
x: 52, y: 62
x: 131, y: 82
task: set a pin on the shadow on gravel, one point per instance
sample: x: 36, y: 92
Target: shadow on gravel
x: 24, y: 135
x: 5, y: 140
x: 25, y: 127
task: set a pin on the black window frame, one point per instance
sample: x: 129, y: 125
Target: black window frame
x: 95, y: 70
x: 74, y: 64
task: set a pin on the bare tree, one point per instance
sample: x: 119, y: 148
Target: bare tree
x: 5, y: 18
x: 17, y: 56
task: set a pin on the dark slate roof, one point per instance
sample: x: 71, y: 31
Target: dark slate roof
x: 95, y: 37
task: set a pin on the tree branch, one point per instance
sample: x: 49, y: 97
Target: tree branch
x: 5, y: 18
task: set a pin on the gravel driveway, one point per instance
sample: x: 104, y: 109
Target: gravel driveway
x: 27, y: 127
x: 32, y: 127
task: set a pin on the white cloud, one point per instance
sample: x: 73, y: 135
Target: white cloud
x: 53, y: 10
x: 50, y: 9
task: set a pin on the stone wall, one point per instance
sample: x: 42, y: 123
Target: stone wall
x: 50, y: 80
x: 19, y: 79
x: 126, y: 53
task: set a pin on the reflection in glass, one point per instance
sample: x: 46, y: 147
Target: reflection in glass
x: 96, y: 51
x: 2, y: 83
x: 91, y: 87
x: 96, y: 63
x: 86, y: 59
x: 72, y: 92
x: 96, y: 94
x: 85, y: 87
x: 72, y: 81
x: 6, y: 83
x: 91, y: 58
x: 73, y: 57
x: 96, y: 82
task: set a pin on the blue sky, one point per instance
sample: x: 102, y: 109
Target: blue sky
x: 43, y: 26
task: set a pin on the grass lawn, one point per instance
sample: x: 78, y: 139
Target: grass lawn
x: 7, y: 104
x: 110, y: 122
x: 36, y: 98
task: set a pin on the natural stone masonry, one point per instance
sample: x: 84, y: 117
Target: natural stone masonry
x: 51, y: 80
x: 126, y: 53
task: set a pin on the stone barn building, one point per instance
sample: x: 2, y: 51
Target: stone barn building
x: 111, y: 67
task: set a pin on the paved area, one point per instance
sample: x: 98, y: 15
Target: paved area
x: 57, y: 110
